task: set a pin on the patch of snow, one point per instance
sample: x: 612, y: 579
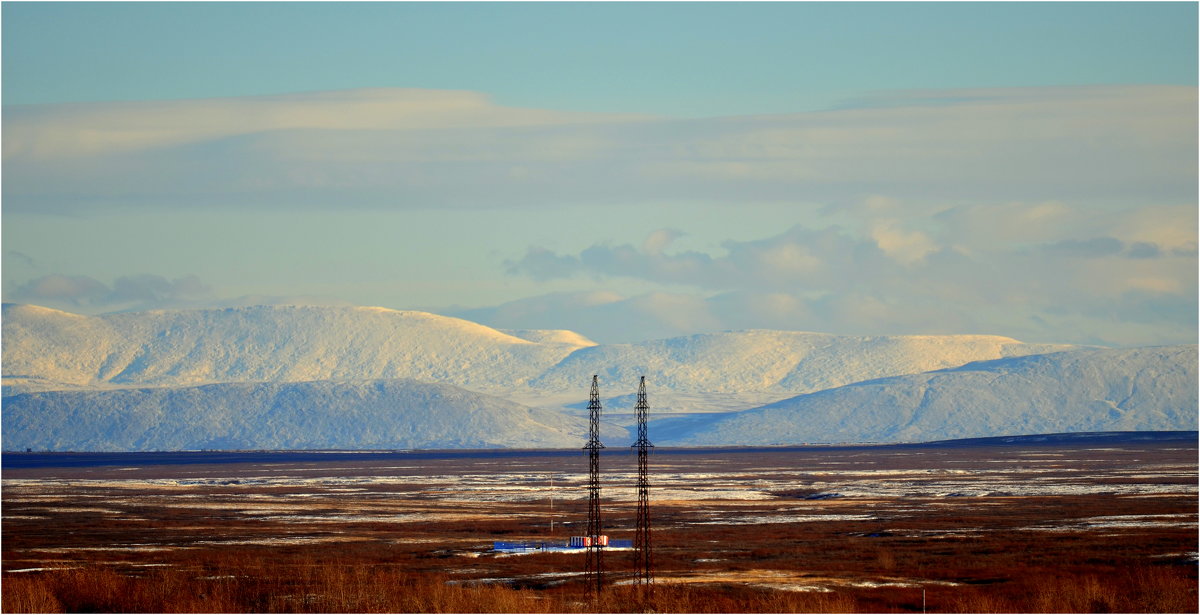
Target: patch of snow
x: 766, y: 519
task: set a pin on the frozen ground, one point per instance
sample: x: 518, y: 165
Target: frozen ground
x: 282, y: 493
x: 284, y: 497
x: 716, y: 513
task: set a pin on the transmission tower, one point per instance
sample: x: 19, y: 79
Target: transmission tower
x: 642, y: 562
x: 594, y: 570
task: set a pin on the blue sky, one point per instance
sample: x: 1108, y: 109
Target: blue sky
x: 626, y: 170
x: 673, y: 58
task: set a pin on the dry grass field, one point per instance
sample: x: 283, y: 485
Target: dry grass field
x: 1029, y: 527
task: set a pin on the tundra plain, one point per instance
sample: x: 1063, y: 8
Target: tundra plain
x: 1083, y: 525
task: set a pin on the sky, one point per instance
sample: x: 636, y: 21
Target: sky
x: 625, y: 170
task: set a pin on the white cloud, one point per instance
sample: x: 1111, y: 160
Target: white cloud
x: 417, y: 148
x: 1133, y: 318
x: 889, y: 278
x: 659, y: 239
x: 789, y: 259
x: 603, y: 315
x: 1049, y: 211
x: 82, y: 129
x: 141, y: 291
x: 799, y: 257
x: 904, y: 246
x: 1170, y: 227
x: 72, y: 289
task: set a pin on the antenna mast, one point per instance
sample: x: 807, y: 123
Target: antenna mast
x: 641, y: 541
x: 594, y: 570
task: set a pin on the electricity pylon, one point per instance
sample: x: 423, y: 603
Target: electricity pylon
x: 594, y: 568
x: 643, y: 563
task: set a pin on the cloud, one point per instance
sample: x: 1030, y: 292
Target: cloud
x: 542, y: 312
x: 602, y: 315
x: 140, y: 290
x: 253, y: 300
x: 153, y: 289
x: 948, y: 272
x: 1002, y: 210
x: 81, y: 129
x: 19, y: 257
x: 659, y: 239
x: 798, y: 257
x: 398, y: 148
x: 1094, y: 247
x: 1137, y: 317
x: 623, y: 260
x: 904, y: 246
x: 1144, y: 249
x: 1101, y: 247
x: 542, y: 265
x: 75, y: 290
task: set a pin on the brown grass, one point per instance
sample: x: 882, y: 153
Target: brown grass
x: 29, y: 595
x: 1140, y: 590
x: 316, y: 587
x: 152, y: 552
x: 250, y: 584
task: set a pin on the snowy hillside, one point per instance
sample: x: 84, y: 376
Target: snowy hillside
x: 786, y: 361
x: 550, y: 336
x: 1079, y: 390
x: 385, y: 414
x: 354, y: 377
x: 45, y: 349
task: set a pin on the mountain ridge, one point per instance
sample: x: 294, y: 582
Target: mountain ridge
x: 1136, y: 389
x: 298, y: 343
x: 722, y: 388
x: 260, y: 344
x: 281, y: 415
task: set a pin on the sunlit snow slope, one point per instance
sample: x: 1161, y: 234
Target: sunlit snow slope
x: 260, y: 376
x: 47, y: 349
x: 786, y: 361
x: 1137, y: 389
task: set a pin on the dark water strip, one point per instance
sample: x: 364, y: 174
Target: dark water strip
x: 15, y: 460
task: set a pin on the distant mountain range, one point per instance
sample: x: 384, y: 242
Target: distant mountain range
x: 375, y: 414
x: 357, y: 377
x: 1142, y: 389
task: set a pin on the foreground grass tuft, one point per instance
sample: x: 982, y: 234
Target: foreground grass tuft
x: 254, y: 585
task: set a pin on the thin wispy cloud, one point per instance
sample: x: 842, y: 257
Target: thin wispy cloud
x: 1055, y: 213
x: 418, y: 149
x: 139, y: 290
x: 943, y: 273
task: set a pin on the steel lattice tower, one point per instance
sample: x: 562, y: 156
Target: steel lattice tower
x: 642, y: 561
x: 594, y: 569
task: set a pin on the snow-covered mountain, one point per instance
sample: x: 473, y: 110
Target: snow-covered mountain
x: 380, y: 414
x: 49, y: 349
x: 1071, y: 391
x: 347, y: 377
x: 784, y: 361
